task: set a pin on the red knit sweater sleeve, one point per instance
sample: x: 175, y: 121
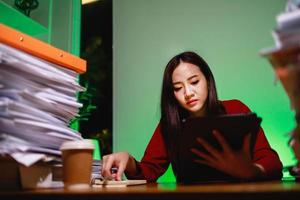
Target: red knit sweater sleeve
x: 155, y: 160
x: 263, y: 154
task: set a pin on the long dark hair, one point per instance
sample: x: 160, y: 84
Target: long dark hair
x: 172, y: 113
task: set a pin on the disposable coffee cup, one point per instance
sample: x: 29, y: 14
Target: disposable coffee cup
x: 77, y: 163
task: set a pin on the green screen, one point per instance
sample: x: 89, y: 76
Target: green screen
x: 229, y: 35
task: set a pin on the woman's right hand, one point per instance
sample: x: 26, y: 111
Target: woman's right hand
x: 121, y: 160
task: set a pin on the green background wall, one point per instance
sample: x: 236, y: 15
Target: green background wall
x: 228, y: 33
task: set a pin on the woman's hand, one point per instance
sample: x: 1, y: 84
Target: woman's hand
x: 122, y: 161
x: 234, y: 163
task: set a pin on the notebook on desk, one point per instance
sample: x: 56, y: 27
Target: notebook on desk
x: 112, y: 183
x: 233, y: 127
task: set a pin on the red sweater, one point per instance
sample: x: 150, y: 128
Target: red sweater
x: 156, y: 161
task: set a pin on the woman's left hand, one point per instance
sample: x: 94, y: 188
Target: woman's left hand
x: 234, y: 163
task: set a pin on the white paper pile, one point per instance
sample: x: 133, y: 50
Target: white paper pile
x: 287, y: 32
x: 37, y: 101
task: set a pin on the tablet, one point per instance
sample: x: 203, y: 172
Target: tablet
x: 233, y: 128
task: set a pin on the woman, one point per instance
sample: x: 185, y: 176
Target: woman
x: 189, y: 90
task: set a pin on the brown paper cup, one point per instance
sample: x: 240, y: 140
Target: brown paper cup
x: 77, y: 163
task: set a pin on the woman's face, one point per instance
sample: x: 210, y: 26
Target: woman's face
x: 190, y: 88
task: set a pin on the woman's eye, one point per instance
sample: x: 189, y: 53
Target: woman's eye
x: 195, y: 82
x: 177, y: 89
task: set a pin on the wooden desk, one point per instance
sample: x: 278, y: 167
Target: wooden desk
x: 262, y: 190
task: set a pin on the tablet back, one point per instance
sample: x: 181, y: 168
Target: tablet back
x: 233, y: 127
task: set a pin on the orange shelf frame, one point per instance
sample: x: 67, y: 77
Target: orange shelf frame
x: 35, y: 47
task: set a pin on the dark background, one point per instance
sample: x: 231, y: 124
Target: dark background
x: 96, y: 48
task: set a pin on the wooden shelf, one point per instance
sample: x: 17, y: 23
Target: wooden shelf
x: 40, y: 49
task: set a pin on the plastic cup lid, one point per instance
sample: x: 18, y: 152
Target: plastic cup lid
x: 78, y: 144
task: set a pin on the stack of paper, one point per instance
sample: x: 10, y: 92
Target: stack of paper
x: 284, y: 57
x: 37, y: 101
x: 286, y: 64
x: 287, y: 32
